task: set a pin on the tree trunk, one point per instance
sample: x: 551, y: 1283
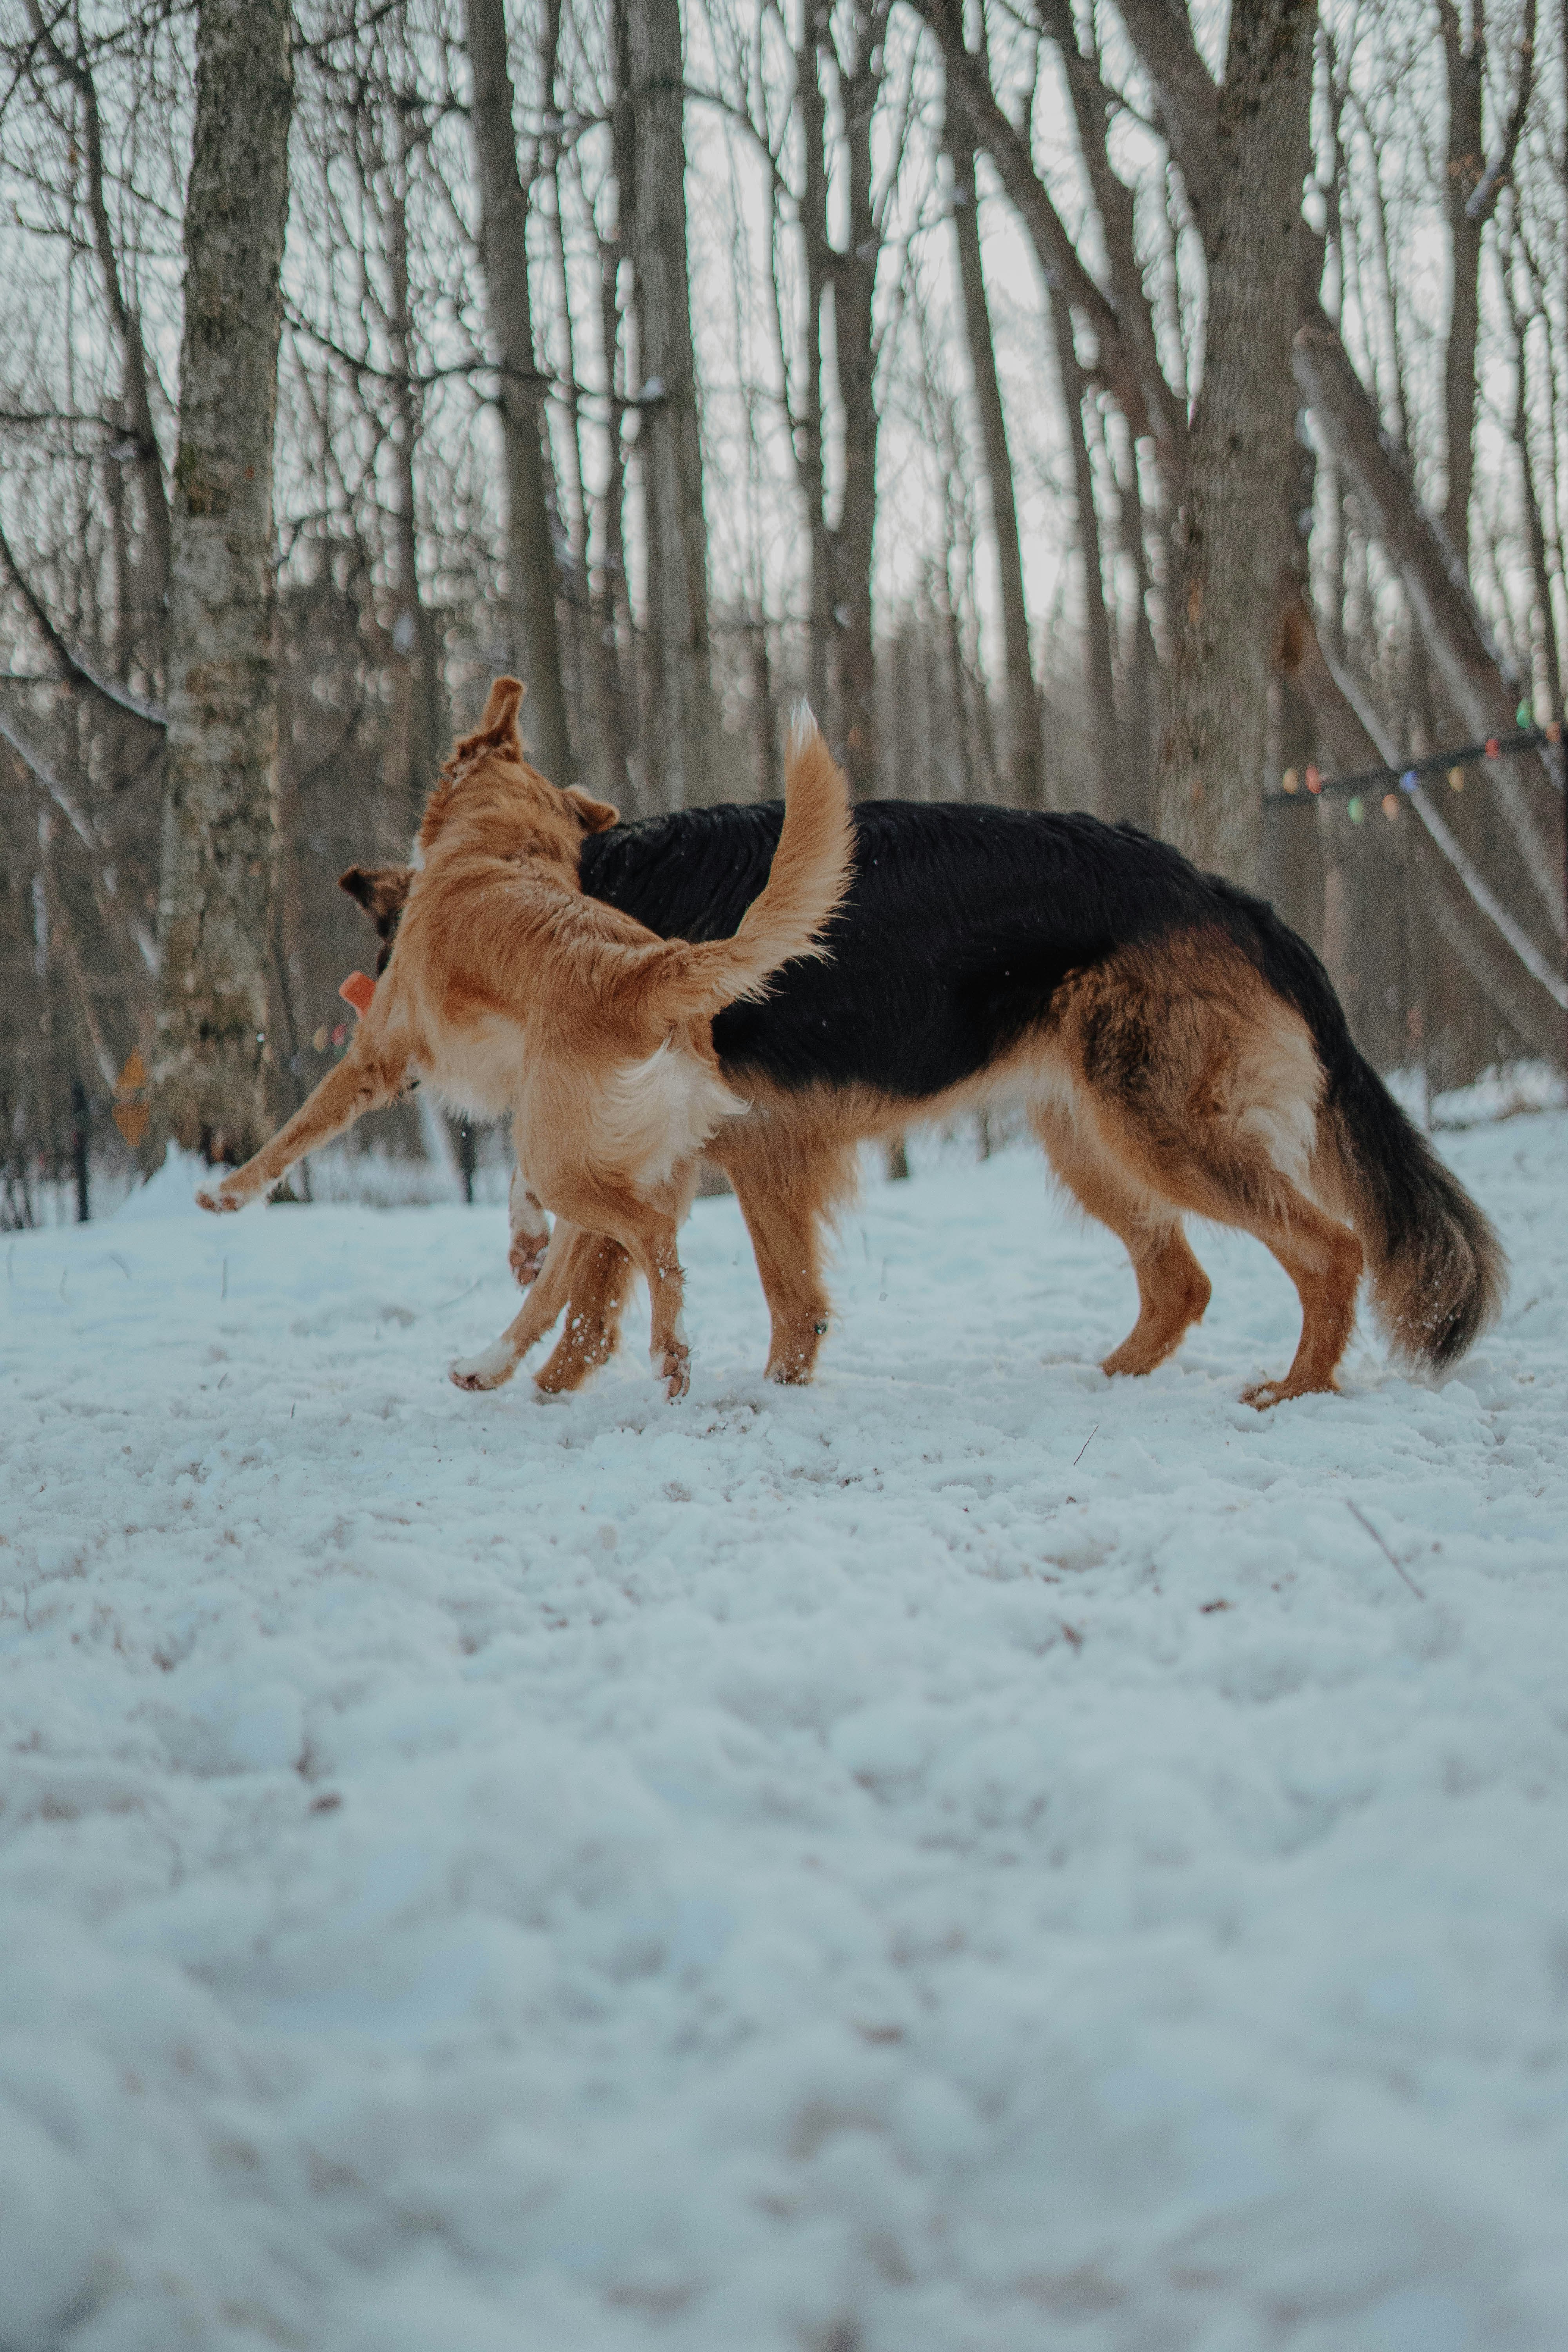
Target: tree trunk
x: 679, y: 741
x: 1235, y: 521
x: 764, y: 761
x: 413, y: 629
x: 619, y: 743
x: 530, y: 544
x: 1020, y: 752
x: 219, y: 763
x: 812, y: 109
x: 1466, y: 69
x: 854, y: 297
x: 1099, y: 671
x: 1140, y: 733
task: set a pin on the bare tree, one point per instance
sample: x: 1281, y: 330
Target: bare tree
x: 679, y: 739
x: 1021, y: 755
x: 530, y: 548
x: 1235, y: 534
x: 218, y: 771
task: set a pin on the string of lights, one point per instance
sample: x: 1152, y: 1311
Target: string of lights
x: 1453, y: 762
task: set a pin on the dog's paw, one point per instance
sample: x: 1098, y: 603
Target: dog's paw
x: 526, y: 1256
x: 221, y: 1204
x: 489, y: 1370
x: 673, y: 1367
x: 1264, y: 1394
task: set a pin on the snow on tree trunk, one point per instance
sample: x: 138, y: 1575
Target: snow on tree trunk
x: 679, y: 739
x: 530, y: 548
x: 210, y: 1086
x: 1235, y: 522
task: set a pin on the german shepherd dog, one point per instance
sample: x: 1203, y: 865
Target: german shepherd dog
x: 511, y: 990
x: 1176, y: 1049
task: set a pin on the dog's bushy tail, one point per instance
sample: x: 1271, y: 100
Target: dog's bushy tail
x: 1437, y: 1268
x: 808, y: 882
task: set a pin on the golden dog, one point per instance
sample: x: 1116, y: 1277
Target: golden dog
x: 511, y: 991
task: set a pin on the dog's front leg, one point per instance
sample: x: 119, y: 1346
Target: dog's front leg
x: 362, y: 1081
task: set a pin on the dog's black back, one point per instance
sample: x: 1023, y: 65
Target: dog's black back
x: 963, y: 923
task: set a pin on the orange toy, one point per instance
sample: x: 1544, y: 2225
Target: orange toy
x: 357, y: 991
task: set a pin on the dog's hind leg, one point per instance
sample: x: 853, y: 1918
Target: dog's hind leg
x: 600, y: 1278
x: 530, y: 1229
x: 495, y: 1364
x: 652, y: 1244
x: 597, y: 1205
x: 1239, y: 1186
x: 1172, y: 1288
x: 1206, y: 1088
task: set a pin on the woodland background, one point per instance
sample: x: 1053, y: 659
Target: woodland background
x: 689, y: 361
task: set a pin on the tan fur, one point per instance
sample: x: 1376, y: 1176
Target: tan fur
x: 510, y: 991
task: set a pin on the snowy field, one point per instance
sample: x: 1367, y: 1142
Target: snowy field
x: 968, y: 1856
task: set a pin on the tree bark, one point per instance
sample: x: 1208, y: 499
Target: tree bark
x: 679, y: 739
x: 530, y: 543
x: 619, y: 741
x: 413, y: 630
x: 812, y: 109
x: 1466, y: 69
x: 1021, y: 752
x: 841, y: 645
x: 1236, y: 520
x: 854, y: 295
x: 210, y: 1087
x: 1099, y: 670
x: 1145, y: 684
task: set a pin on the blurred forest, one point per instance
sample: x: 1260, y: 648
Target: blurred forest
x: 689, y: 359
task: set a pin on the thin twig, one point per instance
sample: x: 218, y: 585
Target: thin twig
x: 453, y: 1302
x: 1394, y: 1565
x: 1083, y: 1449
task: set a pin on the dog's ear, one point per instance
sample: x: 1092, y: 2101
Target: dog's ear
x: 594, y: 816
x: 498, y: 726
x: 381, y: 890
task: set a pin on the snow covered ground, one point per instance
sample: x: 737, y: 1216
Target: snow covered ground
x: 967, y: 1856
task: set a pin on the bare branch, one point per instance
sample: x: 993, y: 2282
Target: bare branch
x: 74, y: 667
x: 1490, y: 186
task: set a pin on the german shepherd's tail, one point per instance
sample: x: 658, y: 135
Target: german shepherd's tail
x: 807, y: 883
x: 1437, y: 1268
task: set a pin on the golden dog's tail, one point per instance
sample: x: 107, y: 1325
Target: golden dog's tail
x: 807, y: 883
